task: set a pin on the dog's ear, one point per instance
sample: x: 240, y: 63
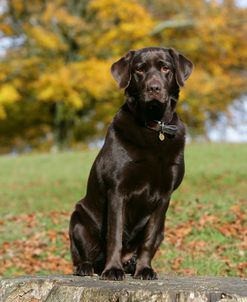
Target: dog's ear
x: 121, y: 70
x: 183, y: 67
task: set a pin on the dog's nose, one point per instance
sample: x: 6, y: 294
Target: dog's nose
x: 154, y: 88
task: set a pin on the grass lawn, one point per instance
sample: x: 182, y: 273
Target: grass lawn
x: 206, y: 222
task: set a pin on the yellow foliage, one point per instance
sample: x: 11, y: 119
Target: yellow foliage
x: 56, y: 12
x: 2, y: 113
x: 6, y: 29
x: 122, y: 23
x: 94, y: 77
x: 47, y: 93
x: 115, y: 10
x: 75, y: 99
x: 8, y: 95
x: 72, y: 82
x: 46, y: 39
x: 17, y: 5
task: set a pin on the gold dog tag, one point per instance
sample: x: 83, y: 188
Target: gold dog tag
x: 161, y: 136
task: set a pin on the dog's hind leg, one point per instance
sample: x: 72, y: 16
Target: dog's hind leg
x: 84, y: 244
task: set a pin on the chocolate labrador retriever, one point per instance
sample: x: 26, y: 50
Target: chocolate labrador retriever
x: 118, y: 226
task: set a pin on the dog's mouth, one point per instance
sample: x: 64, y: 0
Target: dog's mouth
x: 154, y: 104
x: 154, y: 109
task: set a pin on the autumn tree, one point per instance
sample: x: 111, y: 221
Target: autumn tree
x: 58, y: 64
x: 55, y: 83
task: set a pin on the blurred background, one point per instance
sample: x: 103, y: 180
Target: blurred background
x: 55, y: 58
x: 57, y: 94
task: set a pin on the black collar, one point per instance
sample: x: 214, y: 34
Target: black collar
x: 162, y: 129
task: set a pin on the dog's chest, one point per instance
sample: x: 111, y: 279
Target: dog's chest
x: 147, y: 177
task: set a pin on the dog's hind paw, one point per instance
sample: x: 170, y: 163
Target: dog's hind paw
x: 147, y: 273
x: 84, y: 269
x: 113, y: 274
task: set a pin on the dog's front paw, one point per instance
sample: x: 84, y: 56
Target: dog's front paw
x: 84, y: 269
x: 146, y: 273
x: 113, y: 274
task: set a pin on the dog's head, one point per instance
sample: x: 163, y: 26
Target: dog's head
x: 152, y: 76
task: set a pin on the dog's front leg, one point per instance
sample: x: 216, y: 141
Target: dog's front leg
x: 114, y: 269
x: 154, y: 234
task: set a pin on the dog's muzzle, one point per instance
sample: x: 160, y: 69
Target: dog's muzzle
x: 154, y: 91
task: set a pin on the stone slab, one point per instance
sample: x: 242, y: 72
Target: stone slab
x: 84, y: 289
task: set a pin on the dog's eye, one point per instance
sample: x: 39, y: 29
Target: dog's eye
x: 140, y: 69
x: 164, y: 69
